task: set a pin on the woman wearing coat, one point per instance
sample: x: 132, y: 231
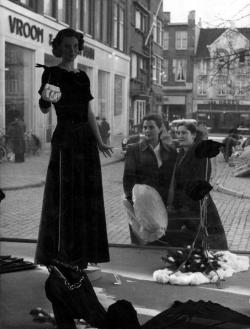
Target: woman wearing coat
x: 190, y: 168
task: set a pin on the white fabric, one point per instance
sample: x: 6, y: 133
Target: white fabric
x: 158, y: 155
x: 230, y: 264
x: 148, y: 217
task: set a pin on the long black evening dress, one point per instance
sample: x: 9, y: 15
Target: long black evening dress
x: 73, y: 225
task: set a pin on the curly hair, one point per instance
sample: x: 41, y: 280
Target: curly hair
x: 66, y: 33
x: 157, y: 118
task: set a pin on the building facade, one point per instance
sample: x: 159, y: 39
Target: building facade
x: 146, y: 53
x: 221, y: 94
x: 26, y: 31
x: 179, y: 44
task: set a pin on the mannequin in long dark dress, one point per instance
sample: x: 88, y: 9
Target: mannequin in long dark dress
x: 73, y: 226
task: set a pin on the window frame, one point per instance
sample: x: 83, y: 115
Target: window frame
x: 176, y: 61
x: 179, y: 41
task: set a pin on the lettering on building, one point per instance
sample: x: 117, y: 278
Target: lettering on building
x: 26, y: 30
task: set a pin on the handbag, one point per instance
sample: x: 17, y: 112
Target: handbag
x: 51, y: 93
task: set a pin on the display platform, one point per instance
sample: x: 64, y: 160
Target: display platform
x: 24, y: 290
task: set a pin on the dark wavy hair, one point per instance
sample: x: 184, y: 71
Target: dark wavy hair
x: 190, y: 126
x: 157, y: 118
x: 66, y: 33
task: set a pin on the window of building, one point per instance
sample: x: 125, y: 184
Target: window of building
x: 101, y: 20
x: 49, y: 8
x: 241, y: 85
x: 165, y: 40
x: 103, y: 93
x: 164, y: 77
x: 139, y: 20
x: 118, y: 100
x: 121, y: 28
x: 118, y: 26
x: 64, y: 11
x: 18, y: 93
x: 202, y: 85
x: 181, y: 40
x: 97, y: 18
x: 180, y: 69
x: 203, y: 67
x: 82, y: 15
x: 31, y: 4
x: 157, y: 69
x: 157, y: 31
x: 221, y: 85
x: 139, y: 111
x: 133, y: 66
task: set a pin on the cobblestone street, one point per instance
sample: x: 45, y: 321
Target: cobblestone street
x: 20, y: 211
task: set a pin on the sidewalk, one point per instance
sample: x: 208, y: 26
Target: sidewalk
x: 32, y: 172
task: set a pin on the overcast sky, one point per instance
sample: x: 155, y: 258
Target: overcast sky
x: 213, y: 13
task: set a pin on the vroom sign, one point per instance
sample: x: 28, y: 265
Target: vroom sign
x: 18, y: 27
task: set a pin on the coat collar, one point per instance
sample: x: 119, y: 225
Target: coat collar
x: 144, y: 145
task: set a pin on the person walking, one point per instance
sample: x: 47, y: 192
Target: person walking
x: 105, y: 131
x: 72, y: 230
x: 15, y: 134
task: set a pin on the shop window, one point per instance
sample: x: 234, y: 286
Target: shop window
x: 18, y: 93
x: 181, y: 40
x: 82, y: 15
x: 49, y: 8
x: 118, y: 26
x: 165, y: 40
x: 180, y: 69
x: 103, y: 93
x: 118, y: 101
x: 64, y: 11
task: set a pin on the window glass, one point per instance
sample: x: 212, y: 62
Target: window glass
x: 180, y: 69
x: 103, y: 92
x: 64, y: 11
x: 133, y: 66
x: 121, y: 29
x: 104, y: 16
x: 165, y: 40
x: 202, y: 85
x: 49, y: 8
x: 18, y: 93
x: 97, y: 19
x: 221, y: 85
x: 181, y: 40
x: 115, y: 24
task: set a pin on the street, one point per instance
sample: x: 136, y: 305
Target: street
x: 20, y: 212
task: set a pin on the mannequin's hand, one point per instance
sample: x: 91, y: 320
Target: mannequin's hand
x: 105, y: 149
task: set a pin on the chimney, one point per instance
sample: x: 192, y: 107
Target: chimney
x: 191, y: 17
x: 167, y: 17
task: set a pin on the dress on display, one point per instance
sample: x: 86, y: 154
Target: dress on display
x: 73, y: 224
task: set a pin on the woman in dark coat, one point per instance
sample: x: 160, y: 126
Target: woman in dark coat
x: 190, y: 168
x: 73, y: 225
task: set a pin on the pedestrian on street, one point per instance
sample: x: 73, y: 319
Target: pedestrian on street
x: 72, y: 230
x: 189, y: 168
x: 105, y: 131
x: 149, y: 162
x: 15, y: 133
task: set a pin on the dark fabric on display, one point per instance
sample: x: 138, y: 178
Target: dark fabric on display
x: 188, y: 169
x: 81, y: 235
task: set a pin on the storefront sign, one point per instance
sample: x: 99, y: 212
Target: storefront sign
x: 18, y: 27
